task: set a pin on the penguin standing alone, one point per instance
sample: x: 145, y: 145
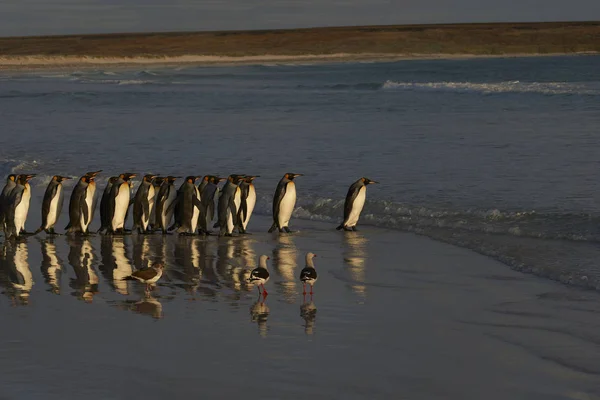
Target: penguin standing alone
x: 355, y: 201
x: 143, y: 203
x: 248, y: 201
x: 52, y: 204
x: 120, y: 196
x: 284, y: 201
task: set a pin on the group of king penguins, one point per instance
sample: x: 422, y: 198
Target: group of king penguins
x: 158, y: 206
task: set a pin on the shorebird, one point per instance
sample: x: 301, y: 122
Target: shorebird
x: 308, y: 275
x: 149, y: 275
x: 260, y: 275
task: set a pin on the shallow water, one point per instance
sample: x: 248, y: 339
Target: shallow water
x: 494, y: 155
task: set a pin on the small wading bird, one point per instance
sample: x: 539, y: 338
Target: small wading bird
x: 308, y: 275
x: 260, y: 275
x: 149, y: 275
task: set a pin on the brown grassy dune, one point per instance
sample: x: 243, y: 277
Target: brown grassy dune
x: 449, y: 39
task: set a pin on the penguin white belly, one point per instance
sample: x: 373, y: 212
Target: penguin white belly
x: 168, y: 215
x: 53, y: 211
x: 286, y: 206
x: 22, y: 267
x: 146, y: 219
x: 89, y: 203
x: 250, y: 203
x: 195, y: 213
x: 121, y: 205
x: 21, y: 211
x: 123, y: 267
x: 357, y: 207
x: 237, y: 200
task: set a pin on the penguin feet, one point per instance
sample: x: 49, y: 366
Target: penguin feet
x: 347, y: 229
x: 354, y: 229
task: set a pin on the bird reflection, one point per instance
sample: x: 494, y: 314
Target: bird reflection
x: 244, y: 251
x: 259, y: 312
x: 17, y: 275
x: 51, y: 265
x: 187, y: 258
x: 148, y: 305
x: 122, y: 266
x: 355, y: 257
x: 81, y: 258
x: 308, y: 312
x: 284, y: 263
x: 141, y: 250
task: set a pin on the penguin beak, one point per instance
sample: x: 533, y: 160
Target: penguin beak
x: 93, y: 173
x: 373, y: 182
x: 296, y: 175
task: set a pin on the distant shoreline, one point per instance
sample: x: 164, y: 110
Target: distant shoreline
x: 60, y: 63
x: 311, y: 45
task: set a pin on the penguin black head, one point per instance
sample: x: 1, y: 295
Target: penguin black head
x: 291, y: 176
x: 158, y: 180
x: 11, y: 177
x: 93, y: 173
x: 171, y: 179
x: 250, y: 178
x: 149, y: 177
x: 58, y: 178
x: 127, y: 176
x: 367, y: 181
x: 233, y: 178
x: 24, y: 178
x: 191, y: 178
x: 216, y: 180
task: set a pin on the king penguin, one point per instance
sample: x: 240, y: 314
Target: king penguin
x: 188, y: 205
x: 143, y: 203
x: 355, y: 201
x: 248, y: 201
x: 229, y: 203
x: 209, y: 190
x: 156, y: 183
x: 52, y: 204
x: 104, y: 204
x: 284, y: 201
x: 18, y: 206
x: 119, y: 201
x: 82, y: 204
x: 10, y: 185
x: 166, y: 196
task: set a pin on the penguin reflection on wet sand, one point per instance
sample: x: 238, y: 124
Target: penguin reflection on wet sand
x: 52, y: 204
x: 18, y: 206
x: 81, y: 204
x: 247, y: 202
x: 355, y: 201
x: 143, y: 204
x: 284, y: 202
x: 11, y: 182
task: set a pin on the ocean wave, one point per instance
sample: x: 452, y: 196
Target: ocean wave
x: 547, y: 88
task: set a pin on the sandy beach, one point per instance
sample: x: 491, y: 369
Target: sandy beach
x: 398, y: 310
x: 311, y: 45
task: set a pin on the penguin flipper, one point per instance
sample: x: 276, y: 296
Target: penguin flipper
x: 173, y: 204
x: 48, y: 197
x: 350, y: 197
x: 146, y: 208
x: 234, y: 211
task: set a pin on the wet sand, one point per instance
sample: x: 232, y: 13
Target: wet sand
x: 394, y: 315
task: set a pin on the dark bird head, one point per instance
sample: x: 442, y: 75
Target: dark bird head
x: 250, y: 178
x: 127, y: 176
x: 11, y: 177
x: 24, y: 178
x: 216, y: 180
x: 149, y: 177
x: 191, y: 178
x: 58, y: 178
x: 291, y: 176
x: 93, y: 173
x: 207, y: 178
x: 235, y: 179
x: 367, y: 181
x: 158, y: 180
x: 170, y: 179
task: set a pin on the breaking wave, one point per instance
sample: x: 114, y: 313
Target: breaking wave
x: 547, y: 88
